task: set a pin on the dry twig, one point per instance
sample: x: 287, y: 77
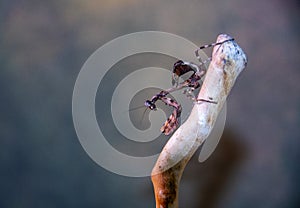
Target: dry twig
x: 228, y: 60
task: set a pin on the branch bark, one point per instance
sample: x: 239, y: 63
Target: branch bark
x: 228, y: 60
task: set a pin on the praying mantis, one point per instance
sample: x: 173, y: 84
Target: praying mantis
x: 193, y: 82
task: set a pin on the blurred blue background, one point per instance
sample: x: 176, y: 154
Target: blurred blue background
x: 43, y: 47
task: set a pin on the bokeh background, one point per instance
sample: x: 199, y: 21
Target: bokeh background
x: 43, y: 47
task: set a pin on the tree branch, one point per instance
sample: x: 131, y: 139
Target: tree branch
x: 228, y: 60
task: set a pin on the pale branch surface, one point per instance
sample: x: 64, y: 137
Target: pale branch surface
x: 228, y: 60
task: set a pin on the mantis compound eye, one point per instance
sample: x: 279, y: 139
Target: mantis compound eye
x: 149, y: 104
